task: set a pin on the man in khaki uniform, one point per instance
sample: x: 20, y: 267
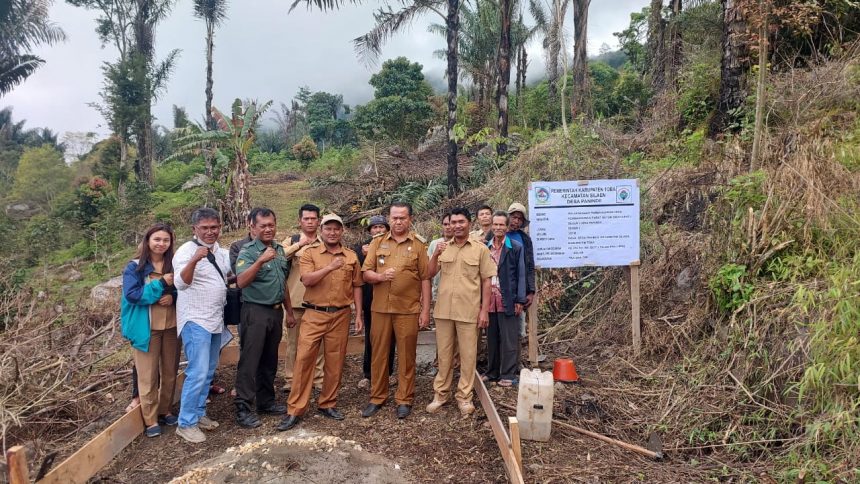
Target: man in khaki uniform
x: 462, y: 308
x: 396, y: 265
x: 332, y: 278
x: 294, y: 247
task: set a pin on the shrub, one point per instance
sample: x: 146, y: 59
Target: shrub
x: 306, y: 151
x: 170, y: 176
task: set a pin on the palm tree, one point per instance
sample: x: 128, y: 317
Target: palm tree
x: 388, y: 23
x: 550, y: 22
x: 228, y: 144
x: 504, y: 62
x: 24, y: 25
x: 212, y: 12
x: 579, y: 97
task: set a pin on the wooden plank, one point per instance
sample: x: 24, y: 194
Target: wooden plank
x: 636, y: 321
x: 514, y: 474
x: 98, y: 452
x: 514, y: 425
x: 532, y: 321
x: 17, y: 471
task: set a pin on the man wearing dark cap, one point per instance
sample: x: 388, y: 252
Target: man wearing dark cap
x: 332, y: 278
x: 377, y: 226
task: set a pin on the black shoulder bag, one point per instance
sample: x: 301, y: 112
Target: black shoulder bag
x: 233, y: 308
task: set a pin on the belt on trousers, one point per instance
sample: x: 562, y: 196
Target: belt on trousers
x: 325, y: 309
x: 272, y: 306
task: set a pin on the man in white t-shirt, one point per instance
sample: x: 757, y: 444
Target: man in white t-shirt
x: 202, y: 269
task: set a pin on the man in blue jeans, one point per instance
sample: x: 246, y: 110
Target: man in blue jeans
x: 202, y: 271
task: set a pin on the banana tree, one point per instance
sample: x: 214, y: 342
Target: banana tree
x: 228, y: 144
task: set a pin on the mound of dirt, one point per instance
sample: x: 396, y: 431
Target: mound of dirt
x: 303, y: 457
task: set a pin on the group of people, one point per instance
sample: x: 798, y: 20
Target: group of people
x: 315, y: 286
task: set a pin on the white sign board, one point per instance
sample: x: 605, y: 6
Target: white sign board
x: 584, y: 223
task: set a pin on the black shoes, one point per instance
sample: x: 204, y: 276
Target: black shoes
x: 247, y: 419
x: 403, y: 411
x: 331, y: 413
x: 288, y: 422
x: 370, y: 410
x: 273, y: 409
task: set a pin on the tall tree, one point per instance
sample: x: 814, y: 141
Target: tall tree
x: 389, y: 22
x: 24, y: 25
x: 550, y: 22
x: 733, y: 66
x: 213, y: 13
x: 579, y: 97
x: 504, y: 62
x: 657, y: 45
x: 675, y: 44
x: 150, y: 76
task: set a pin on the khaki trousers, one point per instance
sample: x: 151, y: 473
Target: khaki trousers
x: 463, y: 335
x: 156, y: 374
x: 290, y: 360
x: 404, y: 328
x: 317, y: 329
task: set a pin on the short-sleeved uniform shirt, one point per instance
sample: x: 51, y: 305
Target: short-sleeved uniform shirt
x: 335, y: 288
x: 294, y: 282
x: 402, y: 295
x: 463, y: 268
x: 268, y: 286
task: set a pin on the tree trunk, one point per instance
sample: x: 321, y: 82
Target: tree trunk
x: 237, y: 203
x: 452, y: 25
x: 504, y: 63
x: 656, y: 46
x: 675, y: 45
x: 579, y: 97
x: 144, y: 47
x: 760, y: 93
x: 733, y: 66
x: 210, y: 120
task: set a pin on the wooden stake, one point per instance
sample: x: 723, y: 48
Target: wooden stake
x: 514, y: 425
x: 16, y: 465
x: 532, y: 322
x: 515, y: 475
x: 634, y: 302
x: 610, y: 440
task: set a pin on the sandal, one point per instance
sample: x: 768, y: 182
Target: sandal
x: 508, y: 383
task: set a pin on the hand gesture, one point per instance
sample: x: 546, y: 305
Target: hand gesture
x: 388, y: 275
x: 423, y: 320
x: 166, y: 300
x: 167, y: 279
x: 268, y: 255
x: 336, y: 264
x: 483, y: 320
x: 200, y: 253
x: 440, y: 247
x: 291, y: 320
x: 365, y: 248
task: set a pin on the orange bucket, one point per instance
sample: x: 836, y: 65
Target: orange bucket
x: 564, y: 370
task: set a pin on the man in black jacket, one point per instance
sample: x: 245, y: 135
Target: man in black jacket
x: 377, y: 226
x: 518, y: 223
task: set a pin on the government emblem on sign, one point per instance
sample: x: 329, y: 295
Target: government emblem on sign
x: 622, y: 194
x: 542, y: 195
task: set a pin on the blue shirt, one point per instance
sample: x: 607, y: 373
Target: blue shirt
x: 516, y: 235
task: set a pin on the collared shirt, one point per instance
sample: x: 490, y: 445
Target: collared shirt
x: 335, y: 288
x: 294, y: 253
x: 496, y: 304
x: 402, y: 295
x: 161, y: 317
x: 478, y: 234
x: 268, y: 286
x: 203, y: 300
x: 463, y: 269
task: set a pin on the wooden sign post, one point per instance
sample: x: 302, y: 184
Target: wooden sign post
x: 532, y: 324
x: 634, y: 307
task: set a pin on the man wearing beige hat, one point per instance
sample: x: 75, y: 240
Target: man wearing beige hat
x: 518, y: 223
x: 332, y: 278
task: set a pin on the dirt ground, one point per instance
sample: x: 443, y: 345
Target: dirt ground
x: 444, y: 447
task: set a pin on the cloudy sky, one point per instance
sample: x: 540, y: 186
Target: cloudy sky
x: 261, y: 52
